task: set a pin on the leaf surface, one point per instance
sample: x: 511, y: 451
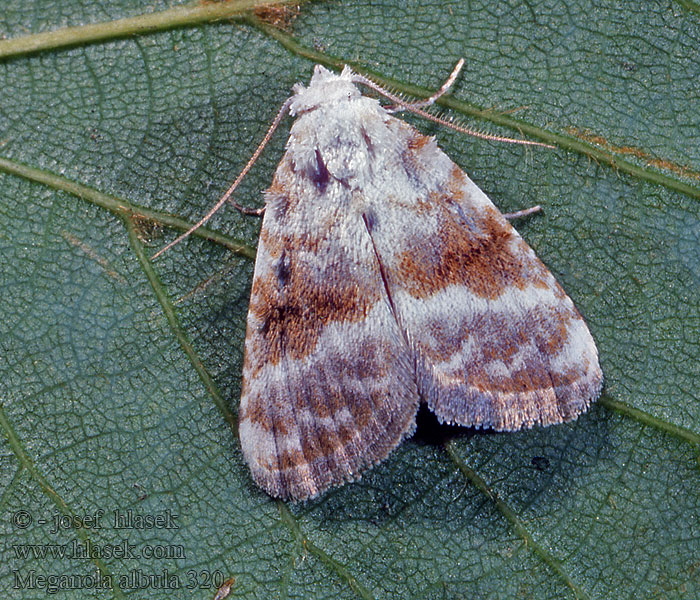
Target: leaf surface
x: 121, y: 377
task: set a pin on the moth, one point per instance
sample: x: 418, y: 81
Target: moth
x: 385, y: 278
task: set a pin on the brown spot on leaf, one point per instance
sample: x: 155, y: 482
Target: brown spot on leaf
x: 279, y: 16
x: 659, y: 163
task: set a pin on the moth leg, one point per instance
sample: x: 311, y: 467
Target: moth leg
x: 526, y: 212
x: 248, y: 210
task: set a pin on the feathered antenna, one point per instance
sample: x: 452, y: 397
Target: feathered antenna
x: 418, y: 108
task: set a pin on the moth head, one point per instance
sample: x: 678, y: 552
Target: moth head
x: 325, y: 88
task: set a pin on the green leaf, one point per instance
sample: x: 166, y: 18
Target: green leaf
x: 121, y: 377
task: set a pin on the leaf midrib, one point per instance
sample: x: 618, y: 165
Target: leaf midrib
x: 26, y: 463
x: 240, y: 9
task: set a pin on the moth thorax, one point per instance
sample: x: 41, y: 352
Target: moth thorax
x: 324, y: 90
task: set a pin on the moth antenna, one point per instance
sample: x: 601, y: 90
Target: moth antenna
x: 456, y: 121
x: 229, y: 192
x: 445, y: 86
x: 416, y: 108
x: 428, y: 101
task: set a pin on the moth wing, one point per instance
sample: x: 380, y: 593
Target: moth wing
x: 496, y: 341
x: 328, y: 385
